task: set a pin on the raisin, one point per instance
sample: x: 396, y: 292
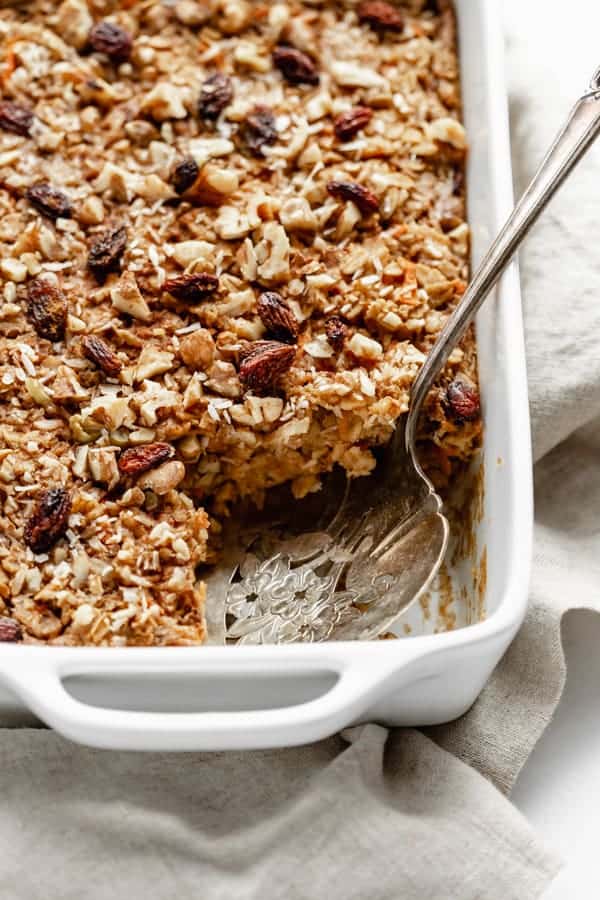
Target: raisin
x: 336, y: 331
x: 259, y: 129
x: 49, y: 521
x: 437, y: 7
x: 49, y: 201
x: 380, y: 16
x: 15, y: 117
x: 215, y: 94
x: 185, y: 174
x: 139, y: 459
x: 193, y: 287
x: 347, y: 124
x: 462, y: 400
x: 277, y: 317
x: 10, y: 631
x: 47, y: 308
x: 106, y: 37
x: 264, y: 362
x: 98, y: 352
x: 295, y: 66
x: 458, y: 183
x: 106, y: 252
x: 361, y: 196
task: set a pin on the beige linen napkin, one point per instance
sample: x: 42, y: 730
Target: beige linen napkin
x: 373, y: 814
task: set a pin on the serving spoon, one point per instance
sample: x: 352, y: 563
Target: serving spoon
x: 346, y: 562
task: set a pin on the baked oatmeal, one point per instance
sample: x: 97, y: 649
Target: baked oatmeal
x: 230, y: 232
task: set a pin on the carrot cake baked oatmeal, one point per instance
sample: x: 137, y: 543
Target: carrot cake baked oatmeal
x: 230, y: 232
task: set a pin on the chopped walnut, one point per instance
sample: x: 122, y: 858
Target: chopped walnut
x: 349, y: 74
x: 192, y: 13
x: 102, y: 463
x: 223, y: 379
x: 165, y: 101
x: 365, y: 347
x: 296, y: 214
x: 254, y: 218
x: 153, y: 362
x: 273, y: 253
x: 91, y: 211
x: 448, y: 130
x: 164, y: 478
x: 127, y: 298
x: 192, y: 253
x: 74, y: 22
x: 235, y: 16
x: 212, y: 185
x: 231, y: 224
x: 197, y: 349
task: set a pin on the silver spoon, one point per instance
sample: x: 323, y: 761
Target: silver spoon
x: 345, y: 563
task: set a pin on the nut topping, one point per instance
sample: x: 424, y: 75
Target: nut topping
x: 197, y: 349
x: 49, y: 201
x: 193, y: 287
x: 264, y: 362
x: 106, y: 37
x: 211, y: 321
x: 462, y: 400
x: 336, y: 331
x: 381, y: 16
x: 215, y: 94
x: 106, y: 252
x: 259, y: 129
x: 49, y: 520
x: 349, y: 123
x: 277, y: 317
x: 98, y: 352
x: 47, y: 308
x: 361, y: 196
x: 163, y: 479
x: 139, y: 459
x: 10, y: 631
x: 185, y: 174
x: 15, y: 117
x: 295, y: 66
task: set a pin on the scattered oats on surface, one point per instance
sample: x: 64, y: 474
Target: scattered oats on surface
x: 230, y: 232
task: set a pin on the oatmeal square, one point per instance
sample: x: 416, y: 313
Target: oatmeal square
x: 230, y: 232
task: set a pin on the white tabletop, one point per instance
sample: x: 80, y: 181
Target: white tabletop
x: 559, y: 788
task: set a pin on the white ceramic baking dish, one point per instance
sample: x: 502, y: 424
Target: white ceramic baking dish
x: 244, y: 697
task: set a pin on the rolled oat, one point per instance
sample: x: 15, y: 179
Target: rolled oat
x: 163, y: 154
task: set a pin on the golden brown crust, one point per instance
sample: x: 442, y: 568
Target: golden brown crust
x: 384, y: 259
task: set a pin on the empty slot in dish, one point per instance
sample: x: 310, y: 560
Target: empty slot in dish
x: 188, y: 693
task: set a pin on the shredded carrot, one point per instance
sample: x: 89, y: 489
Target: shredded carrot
x: 10, y: 63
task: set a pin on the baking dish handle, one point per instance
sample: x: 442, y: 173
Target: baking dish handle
x: 40, y: 686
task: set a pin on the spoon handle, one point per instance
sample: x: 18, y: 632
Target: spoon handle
x: 574, y: 139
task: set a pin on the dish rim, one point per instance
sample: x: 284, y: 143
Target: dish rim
x: 21, y: 664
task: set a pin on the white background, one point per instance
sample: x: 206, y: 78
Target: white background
x: 559, y: 788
